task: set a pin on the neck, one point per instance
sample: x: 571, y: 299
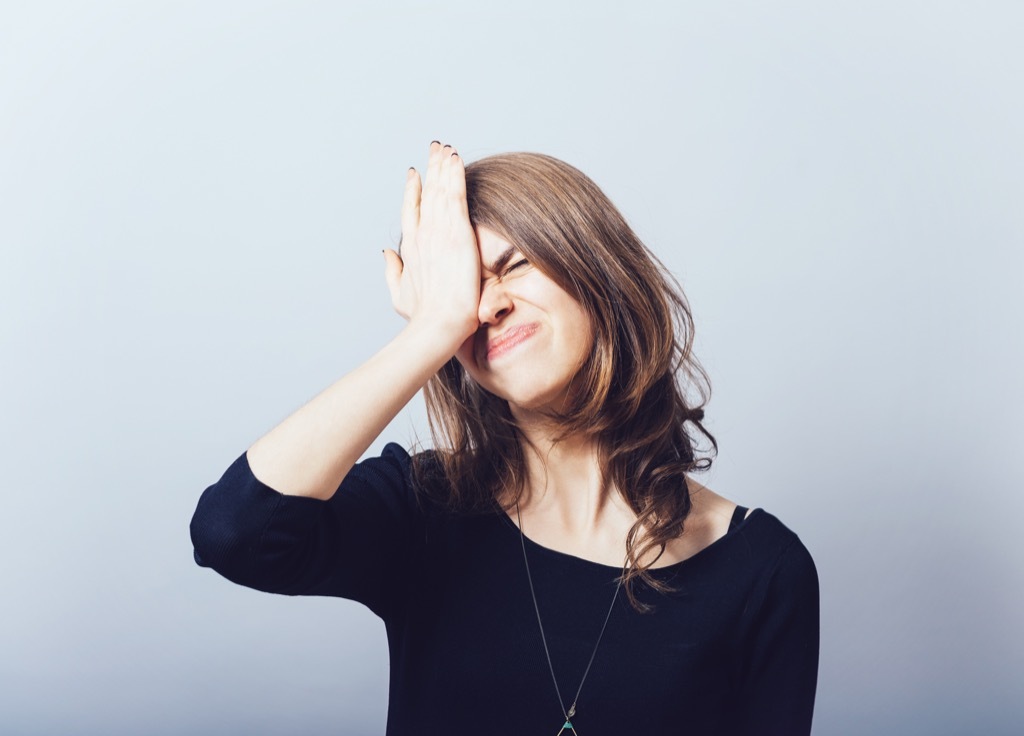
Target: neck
x: 564, y: 488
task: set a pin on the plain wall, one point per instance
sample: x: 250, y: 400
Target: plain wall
x: 193, y: 200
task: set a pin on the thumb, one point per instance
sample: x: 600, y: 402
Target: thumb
x: 393, y: 267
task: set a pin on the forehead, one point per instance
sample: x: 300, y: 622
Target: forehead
x: 493, y: 247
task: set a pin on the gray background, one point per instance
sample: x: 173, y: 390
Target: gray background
x: 194, y: 197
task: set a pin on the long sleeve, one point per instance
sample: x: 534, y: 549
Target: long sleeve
x: 781, y: 670
x: 358, y: 544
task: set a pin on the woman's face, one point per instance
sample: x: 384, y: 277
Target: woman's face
x: 533, y: 336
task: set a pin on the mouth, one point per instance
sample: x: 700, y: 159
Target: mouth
x: 509, y: 339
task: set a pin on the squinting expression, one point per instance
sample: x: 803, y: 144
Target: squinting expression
x: 533, y: 336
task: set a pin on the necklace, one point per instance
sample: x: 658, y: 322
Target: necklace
x: 571, y: 713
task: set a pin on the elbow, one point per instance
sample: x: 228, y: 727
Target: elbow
x: 217, y: 538
x: 229, y: 519
x: 240, y: 531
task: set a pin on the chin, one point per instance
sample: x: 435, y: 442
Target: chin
x: 524, y: 391
x: 538, y: 401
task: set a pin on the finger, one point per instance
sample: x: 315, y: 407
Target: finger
x: 433, y: 167
x: 411, y: 206
x: 444, y: 169
x: 457, y: 184
x: 393, y: 274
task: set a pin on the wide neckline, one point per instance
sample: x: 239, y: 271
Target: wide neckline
x: 675, y: 566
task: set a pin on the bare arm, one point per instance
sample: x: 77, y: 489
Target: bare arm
x: 435, y: 284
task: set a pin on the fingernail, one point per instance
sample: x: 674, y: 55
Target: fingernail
x: 433, y: 142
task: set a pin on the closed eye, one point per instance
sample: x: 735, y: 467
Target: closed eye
x: 514, y: 266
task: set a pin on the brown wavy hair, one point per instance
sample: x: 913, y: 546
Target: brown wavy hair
x: 633, y: 387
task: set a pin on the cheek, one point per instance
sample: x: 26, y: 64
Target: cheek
x: 585, y: 348
x: 581, y: 328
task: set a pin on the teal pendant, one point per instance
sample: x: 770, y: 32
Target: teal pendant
x: 567, y: 727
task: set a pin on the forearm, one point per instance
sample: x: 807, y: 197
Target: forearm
x: 311, y: 451
x: 436, y: 286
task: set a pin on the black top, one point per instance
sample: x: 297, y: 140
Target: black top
x: 733, y: 651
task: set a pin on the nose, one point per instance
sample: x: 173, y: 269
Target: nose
x: 495, y: 303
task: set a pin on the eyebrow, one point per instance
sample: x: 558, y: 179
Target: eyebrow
x: 502, y: 260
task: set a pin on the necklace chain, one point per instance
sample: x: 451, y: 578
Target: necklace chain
x: 572, y: 709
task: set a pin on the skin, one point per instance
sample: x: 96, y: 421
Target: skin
x: 454, y: 304
x: 534, y: 374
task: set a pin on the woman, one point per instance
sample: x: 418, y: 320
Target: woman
x: 549, y: 566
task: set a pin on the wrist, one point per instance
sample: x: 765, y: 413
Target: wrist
x: 435, y: 338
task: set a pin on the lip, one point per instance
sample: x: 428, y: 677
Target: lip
x: 510, y: 338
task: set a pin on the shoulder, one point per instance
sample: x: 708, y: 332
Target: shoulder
x: 756, y: 547
x: 714, y: 519
x: 397, y: 460
x: 772, y: 532
x: 711, y: 514
x: 712, y: 510
x: 420, y: 474
x: 786, y: 567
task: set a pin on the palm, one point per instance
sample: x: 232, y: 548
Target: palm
x: 437, y: 277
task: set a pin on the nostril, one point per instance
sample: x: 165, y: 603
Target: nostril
x: 494, y: 305
x: 502, y: 313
